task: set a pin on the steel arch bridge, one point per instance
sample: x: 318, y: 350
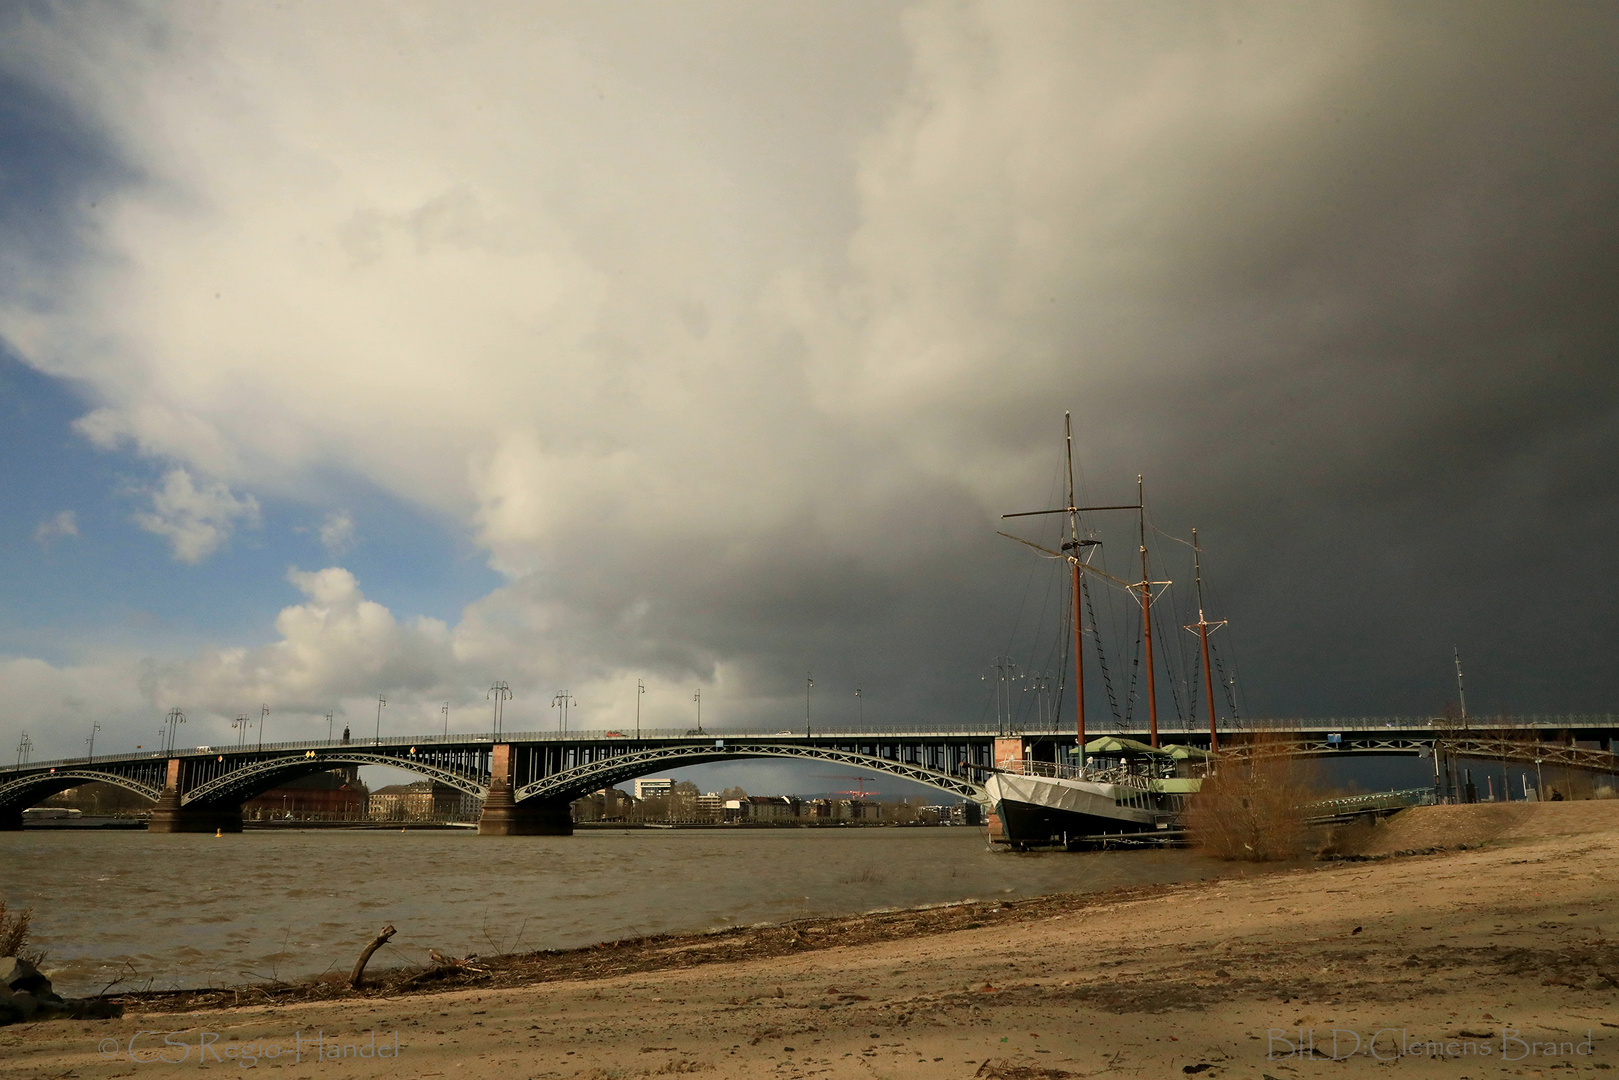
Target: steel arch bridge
x: 1456, y: 746
x: 537, y: 774
x: 570, y: 784
x: 531, y: 774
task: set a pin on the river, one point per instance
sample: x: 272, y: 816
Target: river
x: 163, y: 911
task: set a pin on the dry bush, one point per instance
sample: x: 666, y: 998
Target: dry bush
x: 14, y: 931
x: 1250, y: 810
x: 1349, y: 838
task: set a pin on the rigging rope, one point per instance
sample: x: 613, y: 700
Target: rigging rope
x: 1101, y: 653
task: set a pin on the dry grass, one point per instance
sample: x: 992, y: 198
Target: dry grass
x: 1249, y: 810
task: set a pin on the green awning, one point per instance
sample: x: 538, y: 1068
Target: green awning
x: 1113, y: 746
x: 1182, y: 753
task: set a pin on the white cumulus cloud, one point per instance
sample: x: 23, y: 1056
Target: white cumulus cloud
x: 195, y: 520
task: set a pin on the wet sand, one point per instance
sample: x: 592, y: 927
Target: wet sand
x: 1498, y: 960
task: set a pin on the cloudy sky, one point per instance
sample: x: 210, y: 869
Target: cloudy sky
x: 367, y: 349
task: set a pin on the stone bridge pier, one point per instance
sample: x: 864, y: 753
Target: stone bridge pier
x: 169, y: 816
x: 505, y: 816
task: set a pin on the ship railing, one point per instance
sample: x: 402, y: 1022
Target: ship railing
x: 1057, y: 771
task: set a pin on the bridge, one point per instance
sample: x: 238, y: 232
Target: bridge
x: 527, y: 780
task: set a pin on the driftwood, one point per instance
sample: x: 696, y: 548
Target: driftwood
x: 357, y: 979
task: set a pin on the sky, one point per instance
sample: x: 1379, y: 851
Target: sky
x: 392, y: 349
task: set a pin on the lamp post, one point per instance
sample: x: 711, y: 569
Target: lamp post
x: 90, y: 754
x: 501, y: 693
x: 241, y: 724
x: 809, y: 681
x: 25, y: 746
x: 640, y: 690
x: 560, y: 701
x: 860, y: 707
x: 174, y: 719
x: 446, y: 711
x: 377, y: 738
x: 698, y: 697
x: 328, y: 726
x: 1540, y: 783
x: 264, y: 712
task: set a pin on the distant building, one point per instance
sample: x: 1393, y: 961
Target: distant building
x: 334, y: 795
x: 762, y: 808
x: 424, y: 800
x: 966, y: 813
x: 609, y: 804
x: 648, y: 788
x: 865, y: 810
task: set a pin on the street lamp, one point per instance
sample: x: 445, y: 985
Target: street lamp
x: 809, y: 681
x: 91, y: 753
x: 446, y: 712
x: 174, y: 719
x: 501, y: 693
x: 560, y: 701
x: 860, y: 707
x: 640, y: 690
x: 1540, y: 783
x: 698, y: 697
x: 377, y: 739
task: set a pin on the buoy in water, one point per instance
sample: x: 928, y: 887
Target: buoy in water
x: 219, y: 832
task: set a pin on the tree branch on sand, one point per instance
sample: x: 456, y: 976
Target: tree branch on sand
x: 357, y: 979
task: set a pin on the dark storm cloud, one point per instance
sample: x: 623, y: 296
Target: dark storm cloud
x: 1338, y: 280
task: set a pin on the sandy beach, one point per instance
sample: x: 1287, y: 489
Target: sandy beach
x: 1501, y: 959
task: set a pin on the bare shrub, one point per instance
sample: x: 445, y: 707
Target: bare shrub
x: 1251, y: 809
x: 14, y: 930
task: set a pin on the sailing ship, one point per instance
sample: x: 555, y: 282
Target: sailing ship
x: 1116, y: 787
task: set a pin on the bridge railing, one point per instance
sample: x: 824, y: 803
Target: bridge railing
x: 1406, y: 796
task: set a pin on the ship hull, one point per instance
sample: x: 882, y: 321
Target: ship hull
x: 1048, y: 810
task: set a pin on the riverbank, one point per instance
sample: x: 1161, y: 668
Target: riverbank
x: 1440, y: 954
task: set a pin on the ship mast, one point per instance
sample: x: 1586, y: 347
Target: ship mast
x: 1203, y: 626
x: 1072, y: 547
x: 1146, y: 613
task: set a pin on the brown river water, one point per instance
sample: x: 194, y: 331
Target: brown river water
x: 165, y: 911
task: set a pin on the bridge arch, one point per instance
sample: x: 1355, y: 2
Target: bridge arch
x: 581, y: 780
x: 241, y: 783
x: 19, y: 793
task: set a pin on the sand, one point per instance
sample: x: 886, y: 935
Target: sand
x: 1500, y: 960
